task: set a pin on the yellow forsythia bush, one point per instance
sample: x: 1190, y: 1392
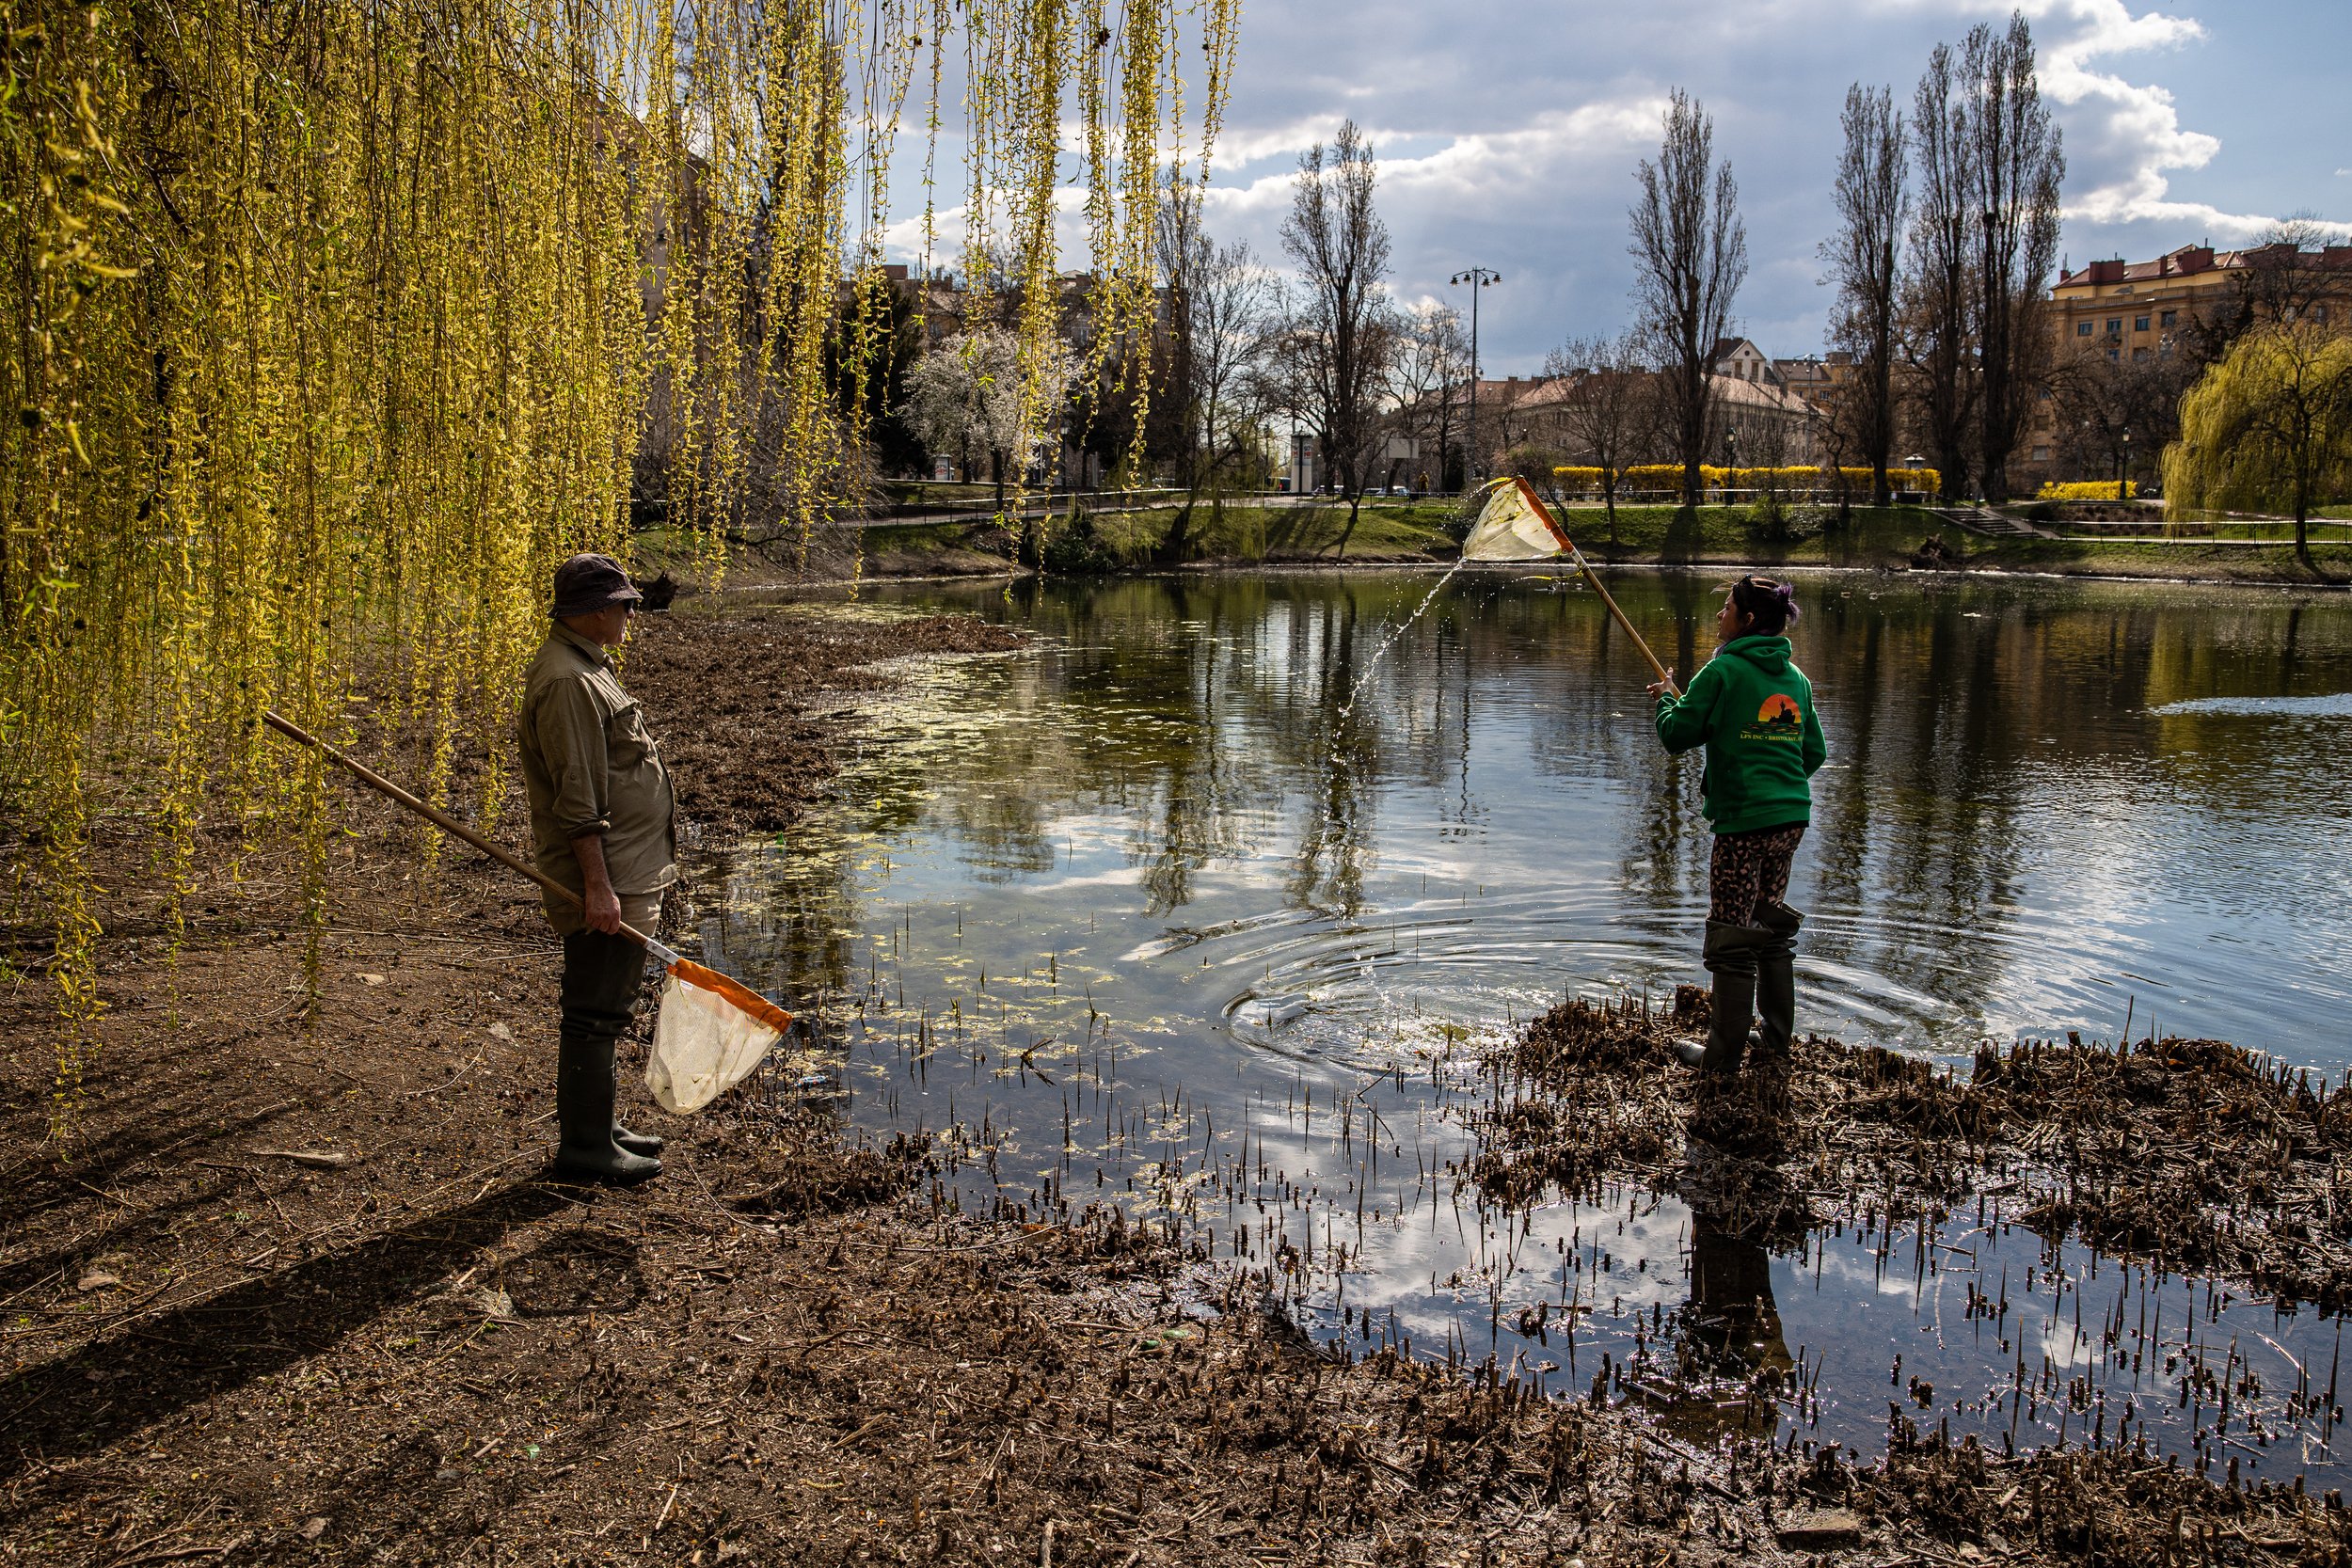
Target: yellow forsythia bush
x: 2087, y: 490
x: 1668, y: 476
x: 1665, y: 476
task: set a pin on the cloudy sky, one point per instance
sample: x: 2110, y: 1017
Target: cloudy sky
x: 1507, y: 132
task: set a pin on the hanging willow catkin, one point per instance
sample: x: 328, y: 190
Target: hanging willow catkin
x: 331, y: 329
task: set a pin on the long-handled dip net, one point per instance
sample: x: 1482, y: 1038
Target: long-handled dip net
x: 1513, y: 525
x: 713, y: 1030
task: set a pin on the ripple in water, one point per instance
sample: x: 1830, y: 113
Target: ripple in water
x: 1124, y: 919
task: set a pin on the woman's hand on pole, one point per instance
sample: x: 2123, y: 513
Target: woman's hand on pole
x: 1666, y: 688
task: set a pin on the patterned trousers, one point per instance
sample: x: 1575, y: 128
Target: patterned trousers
x: 1748, y: 871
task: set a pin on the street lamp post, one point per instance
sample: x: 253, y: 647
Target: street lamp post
x: 1477, y: 277
x: 2123, y: 479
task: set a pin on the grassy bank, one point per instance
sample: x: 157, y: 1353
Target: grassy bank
x: 1890, y: 538
x: 1885, y: 539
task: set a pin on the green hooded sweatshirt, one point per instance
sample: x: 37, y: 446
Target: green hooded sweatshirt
x: 1753, y: 710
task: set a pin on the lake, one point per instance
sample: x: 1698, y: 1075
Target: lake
x: 1202, y: 902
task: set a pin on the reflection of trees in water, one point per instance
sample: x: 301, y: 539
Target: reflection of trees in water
x: 1202, y: 785
x: 1334, y: 834
x: 1208, y: 720
x: 1961, y: 716
x: 787, y: 930
x: 1844, y: 799
x: 1199, y: 716
x: 1937, y: 703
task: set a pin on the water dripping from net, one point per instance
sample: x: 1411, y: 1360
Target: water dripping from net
x: 1372, y: 665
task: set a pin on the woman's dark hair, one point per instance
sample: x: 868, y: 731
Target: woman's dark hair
x: 1773, y: 605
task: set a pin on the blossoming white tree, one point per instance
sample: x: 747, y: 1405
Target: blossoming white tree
x: 975, y: 391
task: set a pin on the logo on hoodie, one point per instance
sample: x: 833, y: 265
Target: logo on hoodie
x: 1779, y: 719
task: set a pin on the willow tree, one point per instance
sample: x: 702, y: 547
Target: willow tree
x: 330, y: 328
x: 2267, y: 429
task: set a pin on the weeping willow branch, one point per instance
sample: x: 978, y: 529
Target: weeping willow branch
x: 330, y: 329
x: 2268, y: 428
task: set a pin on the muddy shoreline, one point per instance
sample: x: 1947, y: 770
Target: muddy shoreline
x: 2191, y: 1154
x: 299, y: 1288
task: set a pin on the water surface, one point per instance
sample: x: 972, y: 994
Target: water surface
x: 1198, y: 903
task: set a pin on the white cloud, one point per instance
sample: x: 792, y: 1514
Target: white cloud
x: 1507, y: 135
x: 1503, y: 162
x: 2125, y: 138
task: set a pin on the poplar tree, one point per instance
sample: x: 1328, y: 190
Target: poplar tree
x: 1692, y: 251
x: 1939, y: 290
x: 2016, y: 163
x: 1872, y: 202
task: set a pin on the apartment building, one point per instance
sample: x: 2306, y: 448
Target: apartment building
x: 2142, y: 313
x: 2141, y: 310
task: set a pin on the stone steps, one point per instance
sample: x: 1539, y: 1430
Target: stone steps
x: 1985, y: 520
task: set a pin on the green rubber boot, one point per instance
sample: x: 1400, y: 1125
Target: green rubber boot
x: 1730, y: 956
x: 1776, y: 978
x: 648, y: 1143
x: 1727, y: 1032
x: 583, y: 1105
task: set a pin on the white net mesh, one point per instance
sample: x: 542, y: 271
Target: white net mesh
x: 703, y: 1046
x: 1509, y: 528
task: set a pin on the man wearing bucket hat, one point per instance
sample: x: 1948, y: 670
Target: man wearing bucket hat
x: 602, y: 823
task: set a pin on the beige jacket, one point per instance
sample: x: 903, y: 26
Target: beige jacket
x: 590, y: 767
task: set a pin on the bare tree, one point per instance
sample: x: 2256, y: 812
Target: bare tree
x: 2117, y: 416
x: 2016, y: 162
x: 1343, y: 324
x: 1606, y: 407
x: 2284, y: 280
x: 1834, y: 434
x: 1940, y: 290
x: 1235, y: 296
x: 1218, y: 299
x: 1872, y: 202
x: 1431, y: 366
x: 1693, y: 251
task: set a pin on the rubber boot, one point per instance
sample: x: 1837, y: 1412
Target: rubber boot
x: 647, y: 1144
x: 1776, y: 978
x: 1727, y: 1033
x: 599, y: 998
x: 583, y: 1105
x: 1729, y: 957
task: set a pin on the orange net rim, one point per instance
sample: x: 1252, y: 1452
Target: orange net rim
x: 737, y: 994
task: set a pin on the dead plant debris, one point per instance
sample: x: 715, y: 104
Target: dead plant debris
x: 412, y: 1346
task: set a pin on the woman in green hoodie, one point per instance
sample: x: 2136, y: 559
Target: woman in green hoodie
x: 1752, y: 708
